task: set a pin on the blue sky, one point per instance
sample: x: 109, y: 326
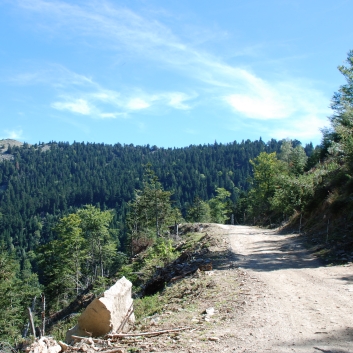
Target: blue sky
x: 170, y: 73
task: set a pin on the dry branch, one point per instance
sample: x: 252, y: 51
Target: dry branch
x: 126, y: 317
x: 153, y: 333
x: 114, y: 350
x: 80, y: 338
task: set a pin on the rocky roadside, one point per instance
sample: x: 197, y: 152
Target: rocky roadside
x: 201, y: 306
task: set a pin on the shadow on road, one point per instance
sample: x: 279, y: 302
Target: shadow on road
x: 326, y: 341
x: 277, y: 253
x: 349, y: 279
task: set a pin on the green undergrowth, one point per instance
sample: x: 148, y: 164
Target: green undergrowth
x: 184, y: 296
x: 144, y: 266
x: 162, y: 253
x: 59, y: 330
x: 192, y: 240
x: 148, y: 306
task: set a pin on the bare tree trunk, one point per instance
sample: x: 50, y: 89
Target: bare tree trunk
x: 43, y: 314
x: 300, y: 222
x: 30, y: 316
x: 25, y: 332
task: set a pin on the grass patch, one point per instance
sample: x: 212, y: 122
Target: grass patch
x: 192, y: 239
x: 148, y: 306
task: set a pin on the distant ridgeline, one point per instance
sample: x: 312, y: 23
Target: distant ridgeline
x: 40, y: 183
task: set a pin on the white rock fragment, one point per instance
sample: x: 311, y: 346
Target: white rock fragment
x: 44, y: 345
x: 209, y: 311
x: 106, y: 313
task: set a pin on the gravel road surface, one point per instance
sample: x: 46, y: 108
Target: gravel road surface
x: 296, y: 304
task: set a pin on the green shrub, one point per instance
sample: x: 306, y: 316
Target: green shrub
x: 147, y: 306
x: 59, y: 330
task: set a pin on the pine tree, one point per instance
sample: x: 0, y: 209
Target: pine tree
x: 17, y: 289
x: 150, y: 212
x: 219, y: 207
x: 199, y: 211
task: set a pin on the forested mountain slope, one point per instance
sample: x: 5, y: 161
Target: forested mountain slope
x: 40, y: 183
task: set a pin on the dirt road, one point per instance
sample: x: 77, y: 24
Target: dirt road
x: 295, y: 303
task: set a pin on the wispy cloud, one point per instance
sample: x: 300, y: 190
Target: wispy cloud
x: 177, y: 100
x: 79, y: 106
x: 13, y: 134
x: 245, y: 94
x: 112, y: 115
x: 137, y: 104
x: 280, y: 100
x: 79, y: 94
x: 306, y: 127
x: 85, y: 107
x: 55, y: 75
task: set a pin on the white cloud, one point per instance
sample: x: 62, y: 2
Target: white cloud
x: 13, y: 134
x: 112, y: 115
x: 57, y: 76
x: 306, y: 128
x: 295, y: 110
x: 79, y: 106
x: 102, y: 103
x: 257, y: 107
x: 176, y: 100
x: 82, y: 95
x: 88, y: 106
x: 105, y: 95
x: 137, y: 104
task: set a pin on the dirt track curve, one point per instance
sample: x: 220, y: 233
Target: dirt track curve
x: 298, y: 304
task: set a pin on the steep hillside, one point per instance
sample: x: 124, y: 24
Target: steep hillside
x: 5, y: 145
x: 39, y: 183
x: 315, y: 194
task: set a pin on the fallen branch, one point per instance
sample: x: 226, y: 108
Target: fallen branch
x: 153, y: 333
x: 182, y: 276
x: 80, y: 338
x: 115, y: 350
x: 126, y: 317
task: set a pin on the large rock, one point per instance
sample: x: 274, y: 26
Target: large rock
x: 106, y: 313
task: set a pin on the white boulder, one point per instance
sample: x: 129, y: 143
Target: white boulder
x: 105, y: 314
